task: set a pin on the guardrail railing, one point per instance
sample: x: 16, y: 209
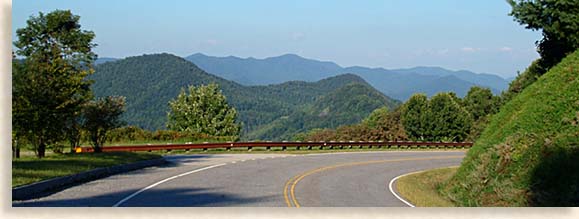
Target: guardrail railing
x: 282, y: 145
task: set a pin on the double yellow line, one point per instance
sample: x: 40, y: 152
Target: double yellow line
x: 289, y: 188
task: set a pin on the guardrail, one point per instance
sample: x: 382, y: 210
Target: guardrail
x: 282, y: 145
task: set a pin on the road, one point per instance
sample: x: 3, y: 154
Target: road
x: 255, y: 180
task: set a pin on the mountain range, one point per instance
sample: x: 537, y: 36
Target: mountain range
x: 267, y: 112
x: 396, y: 83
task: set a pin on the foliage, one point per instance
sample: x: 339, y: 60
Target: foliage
x: 344, y: 106
x: 376, y: 117
x: 559, y: 22
x: 381, y: 125
x: 528, y: 77
x: 414, y: 117
x: 50, y: 87
x: 481, y: 102
x: 136, y: 135
x: 447, y: 119
x: 204, y: 110
x: 437, y: 119
x: 527, y: 156
x: 100, y: 116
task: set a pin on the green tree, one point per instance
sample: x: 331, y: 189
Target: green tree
x: 448, y: 120
x: 73, y: 130
x: 480, y: 102
x: 100, y: 116
x: 415, y: 117
x: 376, y: 117
x: 559, y: 22
x: 51, y: 85
x: 203, y: 110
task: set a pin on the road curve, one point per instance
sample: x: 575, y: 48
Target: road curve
x: 256, y: 180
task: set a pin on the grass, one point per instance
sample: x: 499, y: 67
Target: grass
x: 28, y: 169
x: 527, y: 155
x: 422, y: 189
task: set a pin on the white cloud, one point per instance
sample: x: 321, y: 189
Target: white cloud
x: 469, y: 49
x: 506, y: 49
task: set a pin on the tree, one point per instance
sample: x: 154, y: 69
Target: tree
x: 73, y: 130
x: 51, y: 85
x: 480, y: 102
x: 559, y: 21
x: 376, y: 116
x: 202, y: 110
x: 101, y: 116
x: 414, y: 117
x: 441, y: 118
x: 448, y: 120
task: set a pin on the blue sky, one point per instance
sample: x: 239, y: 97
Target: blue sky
x: 455, y: 34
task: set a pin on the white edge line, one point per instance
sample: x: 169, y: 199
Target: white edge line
x: 163, y: 181
x: 394, y: 193
x: 403, y: 175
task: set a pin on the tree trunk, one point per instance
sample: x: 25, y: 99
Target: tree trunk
x: 15, y: 149
x: 41, y: 150
x: 98, y: 149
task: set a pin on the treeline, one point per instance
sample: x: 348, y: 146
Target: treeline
x: 443, y: 117
x: 136, y: 135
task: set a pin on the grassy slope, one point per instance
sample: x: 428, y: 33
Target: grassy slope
x: 420, y: 189
x: 28, y: 170
x: 528, y: 155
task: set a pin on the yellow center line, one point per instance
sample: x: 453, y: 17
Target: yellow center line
x: 291, y: 198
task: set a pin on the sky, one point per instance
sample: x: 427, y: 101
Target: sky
x: 472, y: 35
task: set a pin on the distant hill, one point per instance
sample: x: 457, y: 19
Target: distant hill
x: 528, y: 154
x: 397, y: 83
x: 104, y: 60
x: 343, y: 106
x: 150, y: 81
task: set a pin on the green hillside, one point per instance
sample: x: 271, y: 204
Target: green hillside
x: 529, y: 153
x: 150, y: 81
x: 344, y: 106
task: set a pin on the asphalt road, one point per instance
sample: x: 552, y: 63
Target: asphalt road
x: 255, y: 180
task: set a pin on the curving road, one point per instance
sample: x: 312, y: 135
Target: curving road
x: 256, y: 180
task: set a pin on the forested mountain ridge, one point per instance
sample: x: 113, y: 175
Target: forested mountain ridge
x: 346, y: 105
x: 150, y: 81
x: 396, y: 83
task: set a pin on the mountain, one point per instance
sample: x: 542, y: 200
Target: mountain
x: 396, y: 83
x: 275, y: 70
x: 490, y: 80
x: 150, y: 81
x: 104, y: 60
x: 343, y: 106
